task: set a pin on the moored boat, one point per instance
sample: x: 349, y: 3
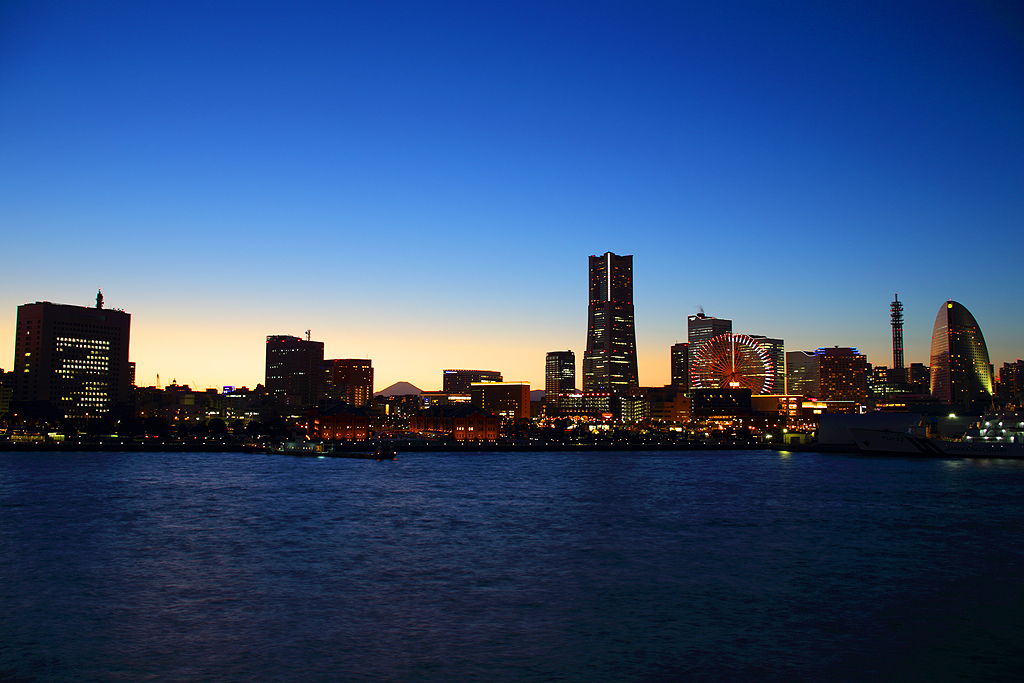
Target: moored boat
x: 881, y: 442
x: 321, y: 449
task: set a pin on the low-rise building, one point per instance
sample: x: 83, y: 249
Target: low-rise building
x: 460, y: 422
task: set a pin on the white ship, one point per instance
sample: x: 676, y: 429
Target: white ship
x: 995, y: 436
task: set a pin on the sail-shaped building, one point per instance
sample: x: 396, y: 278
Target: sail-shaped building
x: 959, y: 361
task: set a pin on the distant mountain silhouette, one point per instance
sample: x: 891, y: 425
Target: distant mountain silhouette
x: 537, y: 394
x: 399, y: 389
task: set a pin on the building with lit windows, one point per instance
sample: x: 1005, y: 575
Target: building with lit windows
x: 507, y: 400
x: 1011, y: 381
x: 559, y: 378
x: 340, y: 422
x: 802, y: 377
x: 776, y: 349
x: 70, y: 361
x: 680, y: 360
x: 960, y: 371
x: 700, y: 328
x: 459, y: 422
x: 559, y: 373
x: 843, y: 374
x: 609, y: 363
x: 295, y: 370
x: 349, y: 380
x: 458, y: 381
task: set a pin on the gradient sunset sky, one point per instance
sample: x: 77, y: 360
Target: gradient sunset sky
x: 422, y: 183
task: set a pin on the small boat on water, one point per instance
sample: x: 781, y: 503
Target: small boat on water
x: 321, y: 449
x: 995, y: 436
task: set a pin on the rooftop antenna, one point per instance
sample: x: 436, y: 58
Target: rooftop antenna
x: 99, y: 298
x: 307, y: 334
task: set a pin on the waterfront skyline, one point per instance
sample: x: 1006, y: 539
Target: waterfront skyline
x: 421, y: 185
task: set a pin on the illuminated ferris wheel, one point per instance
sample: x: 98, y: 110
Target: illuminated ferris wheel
x: 732, y: 361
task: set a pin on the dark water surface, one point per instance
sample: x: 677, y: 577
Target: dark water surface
x: 724, y: 566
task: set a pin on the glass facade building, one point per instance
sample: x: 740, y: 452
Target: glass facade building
x: 609, y: 363
x: 960, y: 373
x: 559, y: 374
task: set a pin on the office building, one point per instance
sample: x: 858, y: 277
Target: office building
x: 295, y: 370
x: 919, y: 378
x: 609, y: 363
x: 1011, y: 381
x: 700, y: 328
x: 507, y: 400
x: 70, y: 361
x: 802, y: 378
x: 559, y: 373
x: 776, y: 349
x: 459, y: 381
x: 349, y: 380
x: 681, y: 366
x: 559, y: 378
x: 843, y: 374
x: 961, y: 375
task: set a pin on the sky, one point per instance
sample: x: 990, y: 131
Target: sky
x: 421, y: 183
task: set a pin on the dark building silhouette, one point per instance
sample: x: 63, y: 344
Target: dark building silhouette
x: 609, y: 363
x: 459, y: 381
x: 961, y: 375
x: 461, y: 422
x: 70, y: 361
x: 681, y: 366
x: 802, y: 377
x: 508, y: 400
x: 1011, y: 381
x: 295, y: 369
x: 349, y: 380
x: 719, y: 403
x: 340, y: 422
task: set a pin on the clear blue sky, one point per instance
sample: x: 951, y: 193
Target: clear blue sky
x: 421, y: 183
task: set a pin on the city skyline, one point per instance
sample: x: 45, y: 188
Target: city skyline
x: 421, y: 185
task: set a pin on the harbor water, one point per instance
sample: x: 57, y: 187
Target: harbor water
x: 696, y: 566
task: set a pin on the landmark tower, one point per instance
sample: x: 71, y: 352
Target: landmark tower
x: 609, y: 363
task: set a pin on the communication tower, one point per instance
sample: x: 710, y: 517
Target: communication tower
x: 896, y: 308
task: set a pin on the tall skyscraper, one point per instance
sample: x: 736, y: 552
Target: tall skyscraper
x: 681, y: 366
x: 71, y: 359
x: 295, y: 370
x: 609, y: 363
x: 959, y: 360
x: 349, y: 380
x: 559, y: 374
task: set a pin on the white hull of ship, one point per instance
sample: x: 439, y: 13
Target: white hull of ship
x: 896, y: 443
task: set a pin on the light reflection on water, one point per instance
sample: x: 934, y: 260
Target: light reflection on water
x: 510, y: 567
